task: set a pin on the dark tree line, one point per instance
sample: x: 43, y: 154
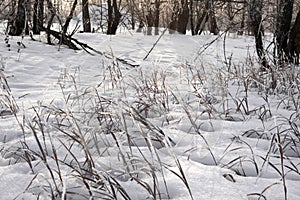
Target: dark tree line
x: 195, y: 16
x: 286, y: 33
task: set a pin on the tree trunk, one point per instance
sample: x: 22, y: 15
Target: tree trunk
x: 117, y: 17
x: 150, y: 22
x: 38, y: 16
x: 174, y: 18
x: 256, y: 20
x: 294, y: 41
x: 241, y: 30
x: 12, y: 10
x: 86, y: 16
x: 110, y: 16
x: 18, y: 24
x: 49, y: 23
x: 192, y: 17
x: 35, y: 17
x: 131, y: 10
x: 68, y: 20
x: 172, y: 26
x: 141, y: 24
x: 114, y: 17
x: 212, y: 18
x: 284, y: 18
x: 156, y: 19
x: 202, y: 19
x: 183, y: 17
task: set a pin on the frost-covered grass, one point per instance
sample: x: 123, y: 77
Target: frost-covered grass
x: 192, y: 121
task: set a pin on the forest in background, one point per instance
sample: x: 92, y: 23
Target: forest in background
x: 253, y: 17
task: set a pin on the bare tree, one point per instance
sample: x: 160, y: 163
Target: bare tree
x: 149, y: 17
x: 38, y: 16
x: 201, y: 19
x: 183, y: 17
x: 156, y: 17
x: 174, y: 18
x: 255, y: 11
x: 69, y: 17
x: 241, y: 29
x: 294, y: 41
x: 114, y: 16
x: 205, y: 15
x: 283, y: 25
x: 131, y: 8
x: 191, y: 19
x: 213, y: 27
x: 10, y: 14
x: 86, y: 16
x: 148, y: 13
x: 18, y: 25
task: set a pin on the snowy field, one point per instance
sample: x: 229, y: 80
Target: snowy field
x: 192, y: 119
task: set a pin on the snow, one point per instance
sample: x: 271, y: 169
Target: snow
x: 141, y: 123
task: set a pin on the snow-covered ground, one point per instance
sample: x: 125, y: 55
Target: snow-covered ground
x: 181, y: 124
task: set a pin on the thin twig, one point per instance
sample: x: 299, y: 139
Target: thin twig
x: 158, y: 39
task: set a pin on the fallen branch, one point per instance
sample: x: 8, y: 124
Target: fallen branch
x: 64, y: 39
x: 71, y: 43
x: 206, y: 46
x: 86, y: 47
x: 158, y: 39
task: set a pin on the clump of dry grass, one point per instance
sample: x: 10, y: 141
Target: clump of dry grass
x: 67, y: 137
